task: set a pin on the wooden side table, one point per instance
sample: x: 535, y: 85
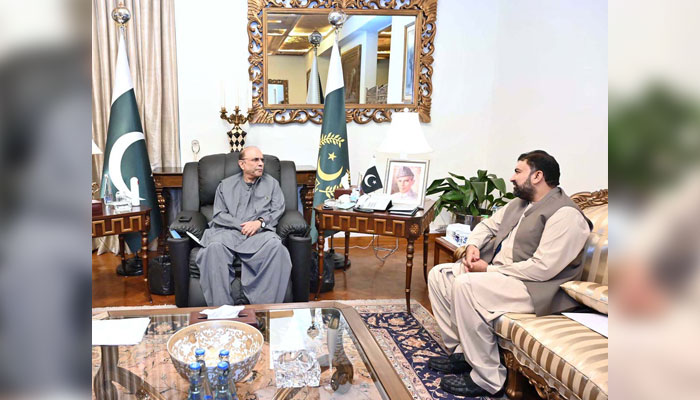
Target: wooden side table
x: 378, y: 223
x: 138, y: 219
x: 442, y: 244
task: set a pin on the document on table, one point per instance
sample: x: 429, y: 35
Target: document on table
x: 115, y: 332
x: 593, y: 321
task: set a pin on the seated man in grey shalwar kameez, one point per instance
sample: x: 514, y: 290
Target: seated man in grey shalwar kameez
x: 247, y: 207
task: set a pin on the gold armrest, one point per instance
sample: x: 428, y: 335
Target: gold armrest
x: 459, y: 252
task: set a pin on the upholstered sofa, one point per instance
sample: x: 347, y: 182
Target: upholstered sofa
x: 561, y: 358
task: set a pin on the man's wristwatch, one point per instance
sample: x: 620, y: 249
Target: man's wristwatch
x: 262, y: 222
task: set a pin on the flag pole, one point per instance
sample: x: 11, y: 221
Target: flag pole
x: 337, y: 18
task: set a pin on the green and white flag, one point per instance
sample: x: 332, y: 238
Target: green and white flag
x: 125, y: 153
x: 314, y: 94
x: 333, y: 161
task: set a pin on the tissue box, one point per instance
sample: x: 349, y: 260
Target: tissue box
x: 245, y: 316
x: 458, y: 233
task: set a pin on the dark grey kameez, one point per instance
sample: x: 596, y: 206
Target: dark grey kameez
x: 266, y: 265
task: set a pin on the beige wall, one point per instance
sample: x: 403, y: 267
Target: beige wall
x: 508, y: 77
x: 292, y: 69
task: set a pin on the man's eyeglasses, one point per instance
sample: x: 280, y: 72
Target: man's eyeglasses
x: 255, y: 160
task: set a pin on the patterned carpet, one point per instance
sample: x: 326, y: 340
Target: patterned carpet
x: 408, y: 340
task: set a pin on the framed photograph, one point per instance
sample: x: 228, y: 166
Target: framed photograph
x: 351, y: 61
x: 406, y: 181
x: 409, y: 55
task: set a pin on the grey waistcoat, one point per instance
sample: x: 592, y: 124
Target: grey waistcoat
x: 546, y: 296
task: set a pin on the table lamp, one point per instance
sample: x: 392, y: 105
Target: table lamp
x: 405, y: 135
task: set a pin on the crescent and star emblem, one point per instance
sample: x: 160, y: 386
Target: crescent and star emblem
x: 367, y: 182
x: 328, y: 177
x: 115, y: 159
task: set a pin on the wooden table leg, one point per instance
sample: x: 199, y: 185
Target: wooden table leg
x: 144, y: 255
x: 347, y: 247
x: 122, y: 251
x: 320, y: 245
x: 409, y: 270
x: 436, y: 254
x: 425, y: 255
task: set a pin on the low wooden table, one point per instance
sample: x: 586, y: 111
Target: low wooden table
x: 112, y: 222
x: 378, y: 223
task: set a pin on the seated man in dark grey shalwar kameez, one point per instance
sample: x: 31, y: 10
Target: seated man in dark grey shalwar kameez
x: 247, y: 208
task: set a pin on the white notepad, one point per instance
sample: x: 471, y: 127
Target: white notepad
x: 115, y: 332
x: 593, y: 321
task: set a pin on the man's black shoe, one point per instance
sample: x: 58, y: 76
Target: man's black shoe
x: 463, y: 385
x: 453, y: 364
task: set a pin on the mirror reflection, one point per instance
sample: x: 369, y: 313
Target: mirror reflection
x: 377, y: 53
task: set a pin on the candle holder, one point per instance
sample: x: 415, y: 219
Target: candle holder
x: 236, y: 136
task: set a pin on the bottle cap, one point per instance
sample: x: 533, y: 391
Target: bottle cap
x: 195, y: 366
x: 223, y: 353
x: 199, y: 352
x: 223, y: 365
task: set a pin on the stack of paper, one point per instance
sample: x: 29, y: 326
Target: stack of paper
x: 116, y: 332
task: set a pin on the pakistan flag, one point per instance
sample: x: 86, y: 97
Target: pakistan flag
x: 125, y: 153
x: 333, y: 162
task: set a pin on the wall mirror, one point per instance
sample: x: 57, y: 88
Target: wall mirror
x: 386, y: 52
x: 277, y: 91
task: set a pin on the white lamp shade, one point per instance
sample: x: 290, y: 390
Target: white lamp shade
x: 405, y: 135
x: 95, y: 149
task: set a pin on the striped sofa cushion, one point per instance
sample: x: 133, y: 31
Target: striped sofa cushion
x: 572, y: 354
x: 595, y: 254
x: 591, y: 294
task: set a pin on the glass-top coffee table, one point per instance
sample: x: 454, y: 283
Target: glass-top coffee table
x: 358, y: 367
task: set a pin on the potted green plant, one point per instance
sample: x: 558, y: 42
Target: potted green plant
x: 471, y: 199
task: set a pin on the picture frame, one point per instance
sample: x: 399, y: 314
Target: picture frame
x: 409, y: 52
x: 351, y: 61
x: 406, y: 192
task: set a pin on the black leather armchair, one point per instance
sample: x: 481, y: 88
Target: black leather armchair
x: 199, y: 183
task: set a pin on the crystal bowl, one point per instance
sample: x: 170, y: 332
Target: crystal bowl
x: 243, y: 342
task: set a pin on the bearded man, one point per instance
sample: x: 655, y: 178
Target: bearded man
x: 514, y: 261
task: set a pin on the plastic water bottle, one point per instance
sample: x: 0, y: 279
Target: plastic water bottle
x: 223, y: 390
x: 223, y: 355
x: 355, y: 194
x: 199, y: 355
x: 108, y: 197
x: 195, y: 391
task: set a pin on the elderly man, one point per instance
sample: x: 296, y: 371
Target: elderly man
x: 404, y: 181
x: 514, y: 262
x: 247, y: 207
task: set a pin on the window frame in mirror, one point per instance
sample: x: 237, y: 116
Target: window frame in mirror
x: 262, y: 112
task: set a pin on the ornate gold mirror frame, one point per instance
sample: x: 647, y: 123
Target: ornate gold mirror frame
x: 425, y: 12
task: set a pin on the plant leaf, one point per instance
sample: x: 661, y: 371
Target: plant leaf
x: 435, y: 183
x: 499, y: 183
x: 479, y: 190
x: 454, y: 195
x: 474, y: 210
x: 458, y: 176
x: 481, y: 174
